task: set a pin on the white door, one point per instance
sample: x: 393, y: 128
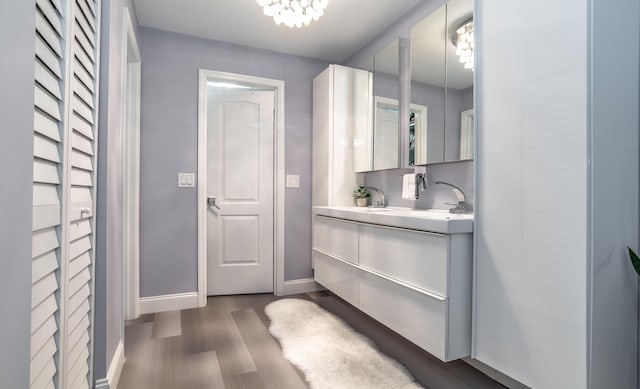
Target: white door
x: 240, y: 129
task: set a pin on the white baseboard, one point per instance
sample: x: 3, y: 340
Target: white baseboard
x: 168, y: 302
x: 115, y: 369
x: 303, y: 285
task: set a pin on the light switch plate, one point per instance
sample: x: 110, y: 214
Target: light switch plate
x: 186, y: 180
x: 293, y: 181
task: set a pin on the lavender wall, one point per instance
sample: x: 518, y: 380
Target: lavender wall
x: 17, y: 37
x: 108, y: 273
x: 168, y: 217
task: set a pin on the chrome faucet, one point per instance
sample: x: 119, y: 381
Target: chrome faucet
x: 383, y: 199
x: 461, y: 207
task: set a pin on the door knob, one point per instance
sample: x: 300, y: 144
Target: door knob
x: 211, y: 201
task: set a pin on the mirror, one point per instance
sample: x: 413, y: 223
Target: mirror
x: 459, y: 103
x: 428, y: 86
x: 441, y: 82
x: 378, y: 148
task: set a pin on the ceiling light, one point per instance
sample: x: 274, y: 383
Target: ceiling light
x: 464, y: 42
x: 294, y: 12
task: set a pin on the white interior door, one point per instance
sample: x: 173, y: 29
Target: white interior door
x: 240, y: 158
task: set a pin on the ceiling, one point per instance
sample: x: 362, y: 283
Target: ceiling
x: 346, y: 26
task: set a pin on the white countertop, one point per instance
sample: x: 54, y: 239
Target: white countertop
x: 433, y: 220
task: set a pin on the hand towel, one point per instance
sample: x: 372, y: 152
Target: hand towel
x: 409, y: 186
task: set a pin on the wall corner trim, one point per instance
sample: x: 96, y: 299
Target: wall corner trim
x: 115, y: 369
x: 168, y: 302
x: 302, y: 285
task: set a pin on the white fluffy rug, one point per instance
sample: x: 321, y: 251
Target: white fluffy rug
x: 329, y: 352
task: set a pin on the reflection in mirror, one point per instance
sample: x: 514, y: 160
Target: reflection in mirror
x: 428, y: 83
x: 459, y: 103
x: 385, y: 123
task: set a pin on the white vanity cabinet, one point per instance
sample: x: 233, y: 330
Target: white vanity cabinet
x: 418, y: 283
x: 341, y: 108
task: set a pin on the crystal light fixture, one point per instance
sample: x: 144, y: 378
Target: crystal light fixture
x: 463, y: 41
x: 293, y: 12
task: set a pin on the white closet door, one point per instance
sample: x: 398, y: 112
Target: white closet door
x: 47, y: 168
x: 80, y: 194
x: 66, y: 54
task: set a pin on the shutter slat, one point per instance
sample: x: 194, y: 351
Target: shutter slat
x: 45, y: 148
x: 79, y: 229
x: 43, y: 334
x: 41, y: 313
x: 48, y: 80
x: 48, y: 34
x: 47, y: 103
x: 44, y: 194
x: 51, y: 15
x: 81, y: 329
x: 79, y: 371
x: 78, y: 281
x: 81, y: 109
x: 82, y: 44
x: 83, y: 93
x: 85, y: 29
x: 80, y: 196
x: 85, y: 61
x: 45, y: 171
x: 43, y: 265
x: 80, y: 178
x: 81, y: 295
x: 80, y: 143
x: 43, y: 289
x: 43, y: 241
x: 79, y: 246
x: 58, y: 6
x: 81, y: 160
x: 45, y: 216
x: 92, y: 6
x: 48, y: 57
x: 84, y: 76
x: 82, y: 126
x: 46, y: 126
x: 80, y: 263
x: 76, y: 317
x: 43, y: 378
x: 86, y: 12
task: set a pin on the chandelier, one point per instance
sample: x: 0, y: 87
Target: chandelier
x: 463, y: 41
x: 293, y: 12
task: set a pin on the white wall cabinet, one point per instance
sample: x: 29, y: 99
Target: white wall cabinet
x: 341, y: 108
x: 417, y: 283
x: 557, y: 191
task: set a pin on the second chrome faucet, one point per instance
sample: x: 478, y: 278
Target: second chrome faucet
x: 461, y: 207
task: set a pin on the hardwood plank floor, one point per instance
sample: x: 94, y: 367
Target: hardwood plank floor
x: 227, y: 345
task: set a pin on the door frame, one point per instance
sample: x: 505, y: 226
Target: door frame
x: 131, y: 68
x: 278, y: 174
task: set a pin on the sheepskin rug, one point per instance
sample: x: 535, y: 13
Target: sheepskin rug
x: 329, y: 352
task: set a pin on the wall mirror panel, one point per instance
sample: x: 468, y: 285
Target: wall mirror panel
x: 378, y: 148
x: 459, y: 104
x: 442, y: 83
x: 428, y: 87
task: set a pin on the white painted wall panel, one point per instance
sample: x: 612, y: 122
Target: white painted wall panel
x: 531, y: 274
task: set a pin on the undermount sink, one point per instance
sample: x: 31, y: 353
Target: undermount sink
x: 434, y: 220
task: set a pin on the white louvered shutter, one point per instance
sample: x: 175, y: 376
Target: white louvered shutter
x: 81, y: 193
x: 47, y: 169
x: 63, y: 206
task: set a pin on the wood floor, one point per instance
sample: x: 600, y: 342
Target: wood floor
x: 227, y: 345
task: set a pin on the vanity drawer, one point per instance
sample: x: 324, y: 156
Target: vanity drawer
x: 419, y: 259
x: 337, y: 276
x: 336, y: 237
x: 420, y: 318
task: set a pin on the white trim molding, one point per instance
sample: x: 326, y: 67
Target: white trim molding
x: 115, y: 370
x: 169, y: 302
x: 279, y: 176
x: 302, y: 285
x: 130, y: 127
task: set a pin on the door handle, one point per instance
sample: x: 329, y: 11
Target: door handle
x: 211, y: 201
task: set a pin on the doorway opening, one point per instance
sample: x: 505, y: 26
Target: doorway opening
x: 227, y: 185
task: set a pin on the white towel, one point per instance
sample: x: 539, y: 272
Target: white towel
x: 409, y: 186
